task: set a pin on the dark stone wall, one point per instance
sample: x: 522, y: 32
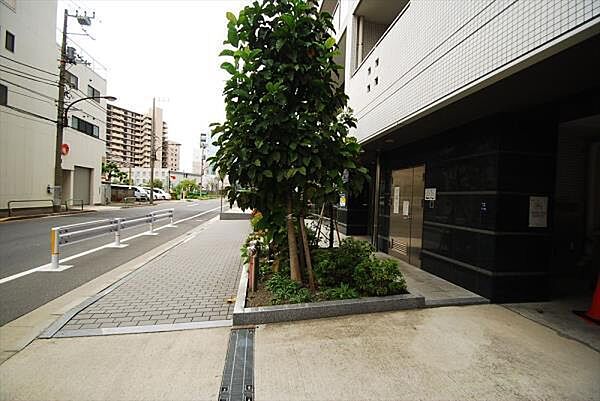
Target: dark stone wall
x: 476, y: 233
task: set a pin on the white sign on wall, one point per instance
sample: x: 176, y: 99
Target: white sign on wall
x: 538, y: 211
x: 396, y: 200
x: 405, y: 208
x: 430, y: 193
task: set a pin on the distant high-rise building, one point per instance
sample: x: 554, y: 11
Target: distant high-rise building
x: 171, y: 155
x: 129, y: 137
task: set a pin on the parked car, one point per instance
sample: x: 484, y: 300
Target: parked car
x: 140, y: 194
x: 164, y: 195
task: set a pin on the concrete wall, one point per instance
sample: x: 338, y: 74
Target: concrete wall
x: 85, y: 150
x: 27, y: 142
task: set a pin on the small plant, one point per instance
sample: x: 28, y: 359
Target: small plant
x: 285, y: 290
x: 379, y: 277
x: 336, y: 266
x: 344, y: 291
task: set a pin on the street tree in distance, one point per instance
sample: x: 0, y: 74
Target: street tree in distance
x: 285, y: 138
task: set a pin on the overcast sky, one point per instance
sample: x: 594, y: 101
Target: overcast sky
x: 168, y: 49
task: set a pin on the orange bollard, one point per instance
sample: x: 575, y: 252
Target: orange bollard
x: 593, y: 313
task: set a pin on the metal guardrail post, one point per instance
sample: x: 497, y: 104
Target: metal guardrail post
x: 117, y: 243
x: 54, y: 248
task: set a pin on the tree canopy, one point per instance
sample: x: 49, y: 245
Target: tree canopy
x: 285, y: 138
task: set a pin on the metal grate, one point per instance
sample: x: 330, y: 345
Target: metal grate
x: 400, y: 246
x: 238, y: 374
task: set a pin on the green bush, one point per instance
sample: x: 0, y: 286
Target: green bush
x: 379, y: 277
x: 287, y: 291
x: 336, y: 266
x: 344, y: 291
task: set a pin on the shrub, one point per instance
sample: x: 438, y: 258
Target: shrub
x: 285, y: 290
x: 379, y: 277
x: 336, y: 266
x: 344, y: 291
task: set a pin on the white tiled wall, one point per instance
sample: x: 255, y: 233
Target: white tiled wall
x: 437, y: 47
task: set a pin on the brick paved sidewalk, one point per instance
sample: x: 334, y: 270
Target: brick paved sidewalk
x: 190, y: 283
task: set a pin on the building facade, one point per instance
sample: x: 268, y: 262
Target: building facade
x: 172, y: 155
x: 29, y: 88
x: 129, y: 137
x: 480, y: 123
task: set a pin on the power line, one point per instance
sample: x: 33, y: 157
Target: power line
x: 30, y: 113
x: 30, y: 66
x: 27, y: 118
x: 28, y: 89
x: 29, y: 96
x: 28, y: 74
x: 32, y: 79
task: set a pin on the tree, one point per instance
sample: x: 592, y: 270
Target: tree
x: 110, y: 169
x: 186, y: 186
x: 157, y: 183
x: 285, y: 138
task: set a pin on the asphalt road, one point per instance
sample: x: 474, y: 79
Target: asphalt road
x: 25, y: 244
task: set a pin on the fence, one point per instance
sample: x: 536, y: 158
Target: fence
x: 75, y: 233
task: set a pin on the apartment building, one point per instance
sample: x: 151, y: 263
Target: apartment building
x: 129, y: 137
x: 171, y: 155
x: 480, y: 122
x: 28, y: 93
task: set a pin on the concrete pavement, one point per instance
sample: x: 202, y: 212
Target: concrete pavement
x: 483, y: 352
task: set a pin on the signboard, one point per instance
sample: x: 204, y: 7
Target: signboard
x: 342, y: 200
x: 405, y: 208
x: 396, y: 200
x: 430, y: 193
x: 538, y: 211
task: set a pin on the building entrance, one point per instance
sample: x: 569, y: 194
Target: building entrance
x: 406, y: 214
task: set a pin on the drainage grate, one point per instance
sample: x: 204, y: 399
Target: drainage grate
x: 238, y: 374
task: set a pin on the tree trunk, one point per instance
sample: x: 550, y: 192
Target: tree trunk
x: 311, y: 277
x: 292, y: 244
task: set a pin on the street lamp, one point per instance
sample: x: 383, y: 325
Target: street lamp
x: 61, y: 123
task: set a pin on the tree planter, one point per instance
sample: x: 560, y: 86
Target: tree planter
x: 316, y: 310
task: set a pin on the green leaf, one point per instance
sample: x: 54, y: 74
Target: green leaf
x: 293, y: 145
x: 329, y: 42
x: 268, y: 173
x: 231, y: 17
x: 229, y: 68
x: 257, y: 163
x: 290, y: 173
x: 306, y: 160
x: 279, y: 44
x: 276, y: 156
x: 349, y: 164
x: 232, y: 36
x: 302, y: 170
x: 226, y: 52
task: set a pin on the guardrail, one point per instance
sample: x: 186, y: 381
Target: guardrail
x: 75, y: 233
x: 79, y: 202
x: 28, y: 200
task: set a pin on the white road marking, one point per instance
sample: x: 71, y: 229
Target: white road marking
x: 78, y: 255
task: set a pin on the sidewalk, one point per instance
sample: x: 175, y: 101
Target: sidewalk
x: 194, y: 282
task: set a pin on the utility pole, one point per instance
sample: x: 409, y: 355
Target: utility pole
x: 61, y: 118
x: 202, y: 147
x: 152, y: 153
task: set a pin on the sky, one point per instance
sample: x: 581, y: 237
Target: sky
x: 163, y: 49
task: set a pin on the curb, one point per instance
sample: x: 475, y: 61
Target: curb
x: 316, y: 310
x: 34, y: 216
x: 324, y: 309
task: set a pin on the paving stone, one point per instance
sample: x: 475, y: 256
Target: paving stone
x: 90, y: 326
x: 183, y: 320
x: 112, y: 324
x: 191, y: 282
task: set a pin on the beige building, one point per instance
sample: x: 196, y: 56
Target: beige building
x: 171, y: 155
x: 28, y: 93
x: 129, y: 137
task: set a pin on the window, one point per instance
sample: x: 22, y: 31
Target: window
x: 376, y: 81
x: 3, y: 95
x: 85, y: 127
x: 10, y: 42
x: 72, y: 80
x: 93, y: 92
